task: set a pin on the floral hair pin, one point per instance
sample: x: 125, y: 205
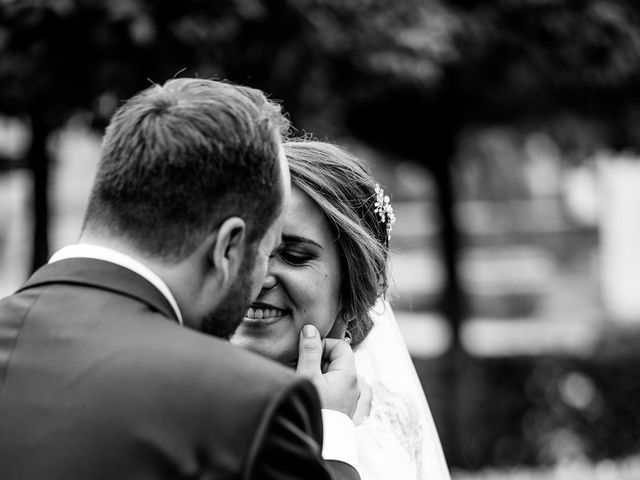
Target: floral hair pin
x: 384, y: 210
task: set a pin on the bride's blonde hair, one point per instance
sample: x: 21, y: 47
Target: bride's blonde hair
x: 343, y: 188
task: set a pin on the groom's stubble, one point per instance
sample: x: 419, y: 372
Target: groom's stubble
x: 223, y: 321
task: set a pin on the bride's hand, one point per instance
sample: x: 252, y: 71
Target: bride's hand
x: 338, y: 386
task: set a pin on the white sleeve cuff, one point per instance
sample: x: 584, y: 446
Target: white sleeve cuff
x: 339, y: 440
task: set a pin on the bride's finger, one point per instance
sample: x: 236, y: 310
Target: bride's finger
x: 310, y: 352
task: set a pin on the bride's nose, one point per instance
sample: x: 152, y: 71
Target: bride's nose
x: 270, y: 281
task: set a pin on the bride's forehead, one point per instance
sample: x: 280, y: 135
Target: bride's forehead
x: 302, y: 207
x: 304, y: 216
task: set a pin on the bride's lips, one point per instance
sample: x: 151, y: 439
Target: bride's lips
x: 261, y: 314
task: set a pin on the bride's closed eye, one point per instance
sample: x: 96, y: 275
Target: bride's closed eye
x: 298, y: 251
x: 295, y: 256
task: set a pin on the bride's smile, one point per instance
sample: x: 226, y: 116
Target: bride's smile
x: 260, y: 314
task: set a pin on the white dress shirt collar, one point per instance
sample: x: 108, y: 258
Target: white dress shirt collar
x: 84, y: 250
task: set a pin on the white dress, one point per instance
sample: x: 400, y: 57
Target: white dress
x: 398, y: 439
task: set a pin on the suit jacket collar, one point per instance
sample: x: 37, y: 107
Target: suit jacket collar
x: 103, y: 275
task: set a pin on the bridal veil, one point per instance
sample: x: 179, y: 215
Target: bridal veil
x: 383, y: 360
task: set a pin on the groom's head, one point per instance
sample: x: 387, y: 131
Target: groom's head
x: 193, y: 180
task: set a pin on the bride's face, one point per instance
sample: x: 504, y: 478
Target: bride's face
x: 302, y: 286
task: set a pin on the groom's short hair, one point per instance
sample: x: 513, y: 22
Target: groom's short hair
x: 178, y: 159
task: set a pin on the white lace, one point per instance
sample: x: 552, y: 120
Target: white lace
x: 392, y: 431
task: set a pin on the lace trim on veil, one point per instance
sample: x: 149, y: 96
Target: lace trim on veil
x: 392, y: 425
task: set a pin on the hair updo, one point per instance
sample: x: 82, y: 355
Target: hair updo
x: 343, y: 188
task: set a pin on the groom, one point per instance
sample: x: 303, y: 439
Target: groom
x: 104, y: 370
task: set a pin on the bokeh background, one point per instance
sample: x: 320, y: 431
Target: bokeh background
x: 506, y: 132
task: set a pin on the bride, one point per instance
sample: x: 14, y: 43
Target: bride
x: 330, y: 271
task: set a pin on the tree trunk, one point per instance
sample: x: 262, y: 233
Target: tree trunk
x: 453, y: 303
x: 39, y: 164
x: 452, y: 299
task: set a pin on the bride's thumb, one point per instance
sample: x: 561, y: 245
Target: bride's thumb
x: 310, y: 352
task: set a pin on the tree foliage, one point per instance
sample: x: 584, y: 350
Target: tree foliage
x: 332, y: 62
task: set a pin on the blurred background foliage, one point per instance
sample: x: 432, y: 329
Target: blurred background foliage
x: 480, y: 116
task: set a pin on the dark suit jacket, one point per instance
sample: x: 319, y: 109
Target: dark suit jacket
x: 98, y: 381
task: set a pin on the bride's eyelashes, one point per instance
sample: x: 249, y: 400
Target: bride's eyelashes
x: 298, y: 250
x: 296, y: 257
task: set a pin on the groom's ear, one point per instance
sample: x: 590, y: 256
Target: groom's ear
x: 228, y: 250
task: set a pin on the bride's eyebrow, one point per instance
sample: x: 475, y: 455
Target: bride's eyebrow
x: 288, y: 238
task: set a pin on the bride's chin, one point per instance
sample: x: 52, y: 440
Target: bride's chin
x: 287, y: 358
x: 292, y: 363
x: 267, y: 347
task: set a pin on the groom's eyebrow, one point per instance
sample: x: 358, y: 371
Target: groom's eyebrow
x: 287, y: 238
